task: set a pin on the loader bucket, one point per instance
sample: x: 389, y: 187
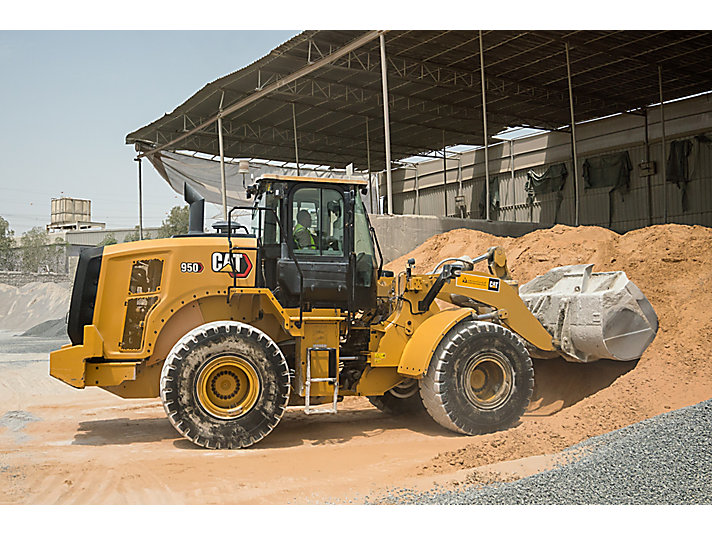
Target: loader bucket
x: 592, y: 316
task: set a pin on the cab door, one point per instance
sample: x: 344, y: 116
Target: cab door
x: 363, y: 264
x: 319, y: 238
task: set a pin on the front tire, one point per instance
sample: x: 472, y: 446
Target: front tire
x: 225, y: 385
x: 480, y: 379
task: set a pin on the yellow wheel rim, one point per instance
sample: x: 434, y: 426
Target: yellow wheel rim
x: 488, y: 380
x: 228, y: 387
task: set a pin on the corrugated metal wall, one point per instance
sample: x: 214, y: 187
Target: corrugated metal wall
x: 621, y: 211
x: 630, y: 209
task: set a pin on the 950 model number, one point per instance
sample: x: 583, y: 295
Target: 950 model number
x: 191, y: 267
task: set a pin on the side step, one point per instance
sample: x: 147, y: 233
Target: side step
x: 333, y: 370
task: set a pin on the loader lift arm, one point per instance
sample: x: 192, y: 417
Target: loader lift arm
x: 512, y: 312
x: 453, y: 283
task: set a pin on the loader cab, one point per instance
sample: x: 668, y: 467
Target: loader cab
x: 315, y: 239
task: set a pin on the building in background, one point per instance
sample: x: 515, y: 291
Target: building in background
x: 71, y: 214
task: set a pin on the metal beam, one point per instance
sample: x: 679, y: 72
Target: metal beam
x: 647, y: 160
x: 223, y: 184
x: 616, y: 56
x: 400, y: 103
x: 309, y: 68
x: 368, y: 164
x: 281, y: 138
x: 140, y: 201
x: 663, y: 163
x: 577, y: 192
x: 484, y: 124
x: 307, y: 137
x: 444, y: 174
x: 296, y: 146
x: 448, y: 77
x: 275, y: 150
x: 386, y: 124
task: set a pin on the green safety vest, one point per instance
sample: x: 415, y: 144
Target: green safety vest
x: 298, y: 229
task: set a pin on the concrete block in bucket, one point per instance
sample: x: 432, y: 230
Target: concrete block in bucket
x: 592, y: 316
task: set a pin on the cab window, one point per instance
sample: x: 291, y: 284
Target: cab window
x: 363, y: 246
x: 264, y: 221
x: 318, y: 222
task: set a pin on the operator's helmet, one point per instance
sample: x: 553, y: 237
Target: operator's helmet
x: 334, y: 207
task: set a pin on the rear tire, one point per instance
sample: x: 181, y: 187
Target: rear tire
x: 480, y: 379
x: 402, y: 399
x: 225, y: 385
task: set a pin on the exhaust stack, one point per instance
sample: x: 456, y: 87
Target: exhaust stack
x: 196, y: 213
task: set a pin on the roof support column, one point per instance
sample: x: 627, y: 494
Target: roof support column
x: 223, y: 184
x: 417, y: 190
x: 386, y: 125
x: 140, y: 200
x: 444, y: 174
x: 368, y: 164
x: 577, y: 193
x: 484, y: 125
x: 664, y: 161
x: 647, y: 160
x: 296, y: 148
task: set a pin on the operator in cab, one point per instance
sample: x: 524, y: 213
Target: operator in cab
x: 303, y: 238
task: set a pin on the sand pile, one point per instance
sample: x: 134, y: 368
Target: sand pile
x: 671, y: 264
x: 25, y: 307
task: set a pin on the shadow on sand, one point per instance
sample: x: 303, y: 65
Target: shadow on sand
x: 295, y: 429
x: 559, y: 384
x: 123, y: 431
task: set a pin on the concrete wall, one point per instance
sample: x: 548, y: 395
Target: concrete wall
x: 399, y: 234
x: 93, y: 236
x: 18, y: 279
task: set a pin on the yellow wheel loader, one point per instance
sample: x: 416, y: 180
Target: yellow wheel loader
x: 293, y: 307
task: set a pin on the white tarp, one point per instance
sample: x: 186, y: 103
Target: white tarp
x: 204, y: 175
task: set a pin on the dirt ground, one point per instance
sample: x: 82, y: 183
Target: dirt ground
x: 64, y: 446
x: 60, y: 445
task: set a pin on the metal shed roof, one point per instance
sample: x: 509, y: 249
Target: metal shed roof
x: 434, y: 91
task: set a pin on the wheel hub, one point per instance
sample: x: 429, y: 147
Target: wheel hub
x: 488, y: 380
x: 227, y: 386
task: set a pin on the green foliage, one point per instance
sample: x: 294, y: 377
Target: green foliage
x: 6, y: 243
x: 134, y: 236
x: 35, y: 252
x: 109, y: 239
x: 176, y: 223
x: 6, y: 234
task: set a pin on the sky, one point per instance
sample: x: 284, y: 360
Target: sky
x: 69, y: 98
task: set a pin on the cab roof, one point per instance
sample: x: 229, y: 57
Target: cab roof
x: 314, y: 179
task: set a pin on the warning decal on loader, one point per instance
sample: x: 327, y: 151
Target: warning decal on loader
x: 478, y: 282
x: 221, y: 264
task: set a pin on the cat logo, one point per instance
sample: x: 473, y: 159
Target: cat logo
x: 221, y: 264
x: 474, y: 281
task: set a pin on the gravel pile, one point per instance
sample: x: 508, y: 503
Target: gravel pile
x: 53, y: 328
x: 664, y: 460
